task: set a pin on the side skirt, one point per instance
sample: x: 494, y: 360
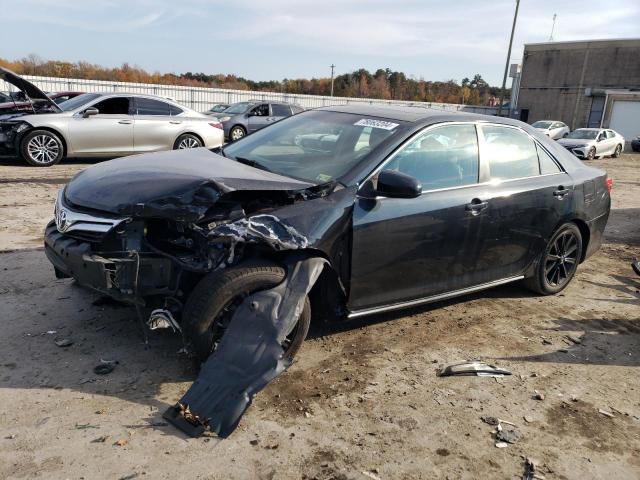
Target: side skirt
x: 431, y: 299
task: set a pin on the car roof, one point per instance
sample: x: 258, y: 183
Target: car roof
x: 415, y: 114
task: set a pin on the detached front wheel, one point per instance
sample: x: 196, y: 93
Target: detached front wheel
x: 214, y: 300
x: 41, y: 148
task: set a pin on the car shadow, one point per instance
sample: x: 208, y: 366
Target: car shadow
x: 601, y: 341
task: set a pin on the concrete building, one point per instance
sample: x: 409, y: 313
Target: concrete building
x: 584, y: 84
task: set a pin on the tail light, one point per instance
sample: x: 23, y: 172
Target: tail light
x: 609, y: 184
x: 217, y: 125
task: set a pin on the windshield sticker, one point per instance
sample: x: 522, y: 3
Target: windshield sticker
x: 322, y: 177
x: 369, y: 122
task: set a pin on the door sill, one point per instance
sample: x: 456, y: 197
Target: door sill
x: 432, y: 298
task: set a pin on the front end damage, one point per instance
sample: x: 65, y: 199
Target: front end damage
x: 151, y: 250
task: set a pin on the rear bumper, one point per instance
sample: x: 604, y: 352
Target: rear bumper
x: 126, y: 276
x: 596, y: 232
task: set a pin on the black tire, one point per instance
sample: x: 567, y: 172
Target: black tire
x: 41, y: 148
x: 592, y: 153
x: 215, y: 297
x: 551, y: 272
x: 618, y: 151
x: 187, y: 140
x: 236, y: 133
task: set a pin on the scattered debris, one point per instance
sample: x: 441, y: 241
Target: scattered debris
x: 130, y: 476
x: 63, y: 342
x: 606, y: 413
x: 530, y: 466
x: 528, y: 419
x: 105, y: 367
x: 10, y: 437
x: 162, y: 318
x: 493, y: 421
x: 249, y: 355
x: 121, y: 443
x: 85, y: 426
x: 538, y: 395
x: 101, y: 439
x: 370, y: 474
x: 479, y: 369
x: 508, y: 435
x: 502, y: 444
x: 573, y: 339
x: 255, y: 441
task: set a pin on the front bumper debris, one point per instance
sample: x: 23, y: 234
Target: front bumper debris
x: 249, y: 355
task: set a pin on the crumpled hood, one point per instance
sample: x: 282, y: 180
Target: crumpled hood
x: 178, y: 184
x: 574, y: 142
x: 36, y: 95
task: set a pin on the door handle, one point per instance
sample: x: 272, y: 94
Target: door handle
x: 561, y: 192
x: 175, y: 122
x: 476, y: 206
x: 125, y: 122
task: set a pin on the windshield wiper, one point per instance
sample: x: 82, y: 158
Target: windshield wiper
x: 252, y: 163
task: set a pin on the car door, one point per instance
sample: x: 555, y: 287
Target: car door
x: 409, y: 248
x: 612, y: 142
x: 602, y: 145
x: 155, y: 126
x: 108, y: 132
x: 527, y: 196
x: 258, y: 117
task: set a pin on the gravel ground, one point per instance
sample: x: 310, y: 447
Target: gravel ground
x: 362, y: 400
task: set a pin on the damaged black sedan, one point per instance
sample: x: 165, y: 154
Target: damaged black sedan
x: 397, y: 207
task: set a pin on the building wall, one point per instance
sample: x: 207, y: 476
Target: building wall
x: 555, y: 77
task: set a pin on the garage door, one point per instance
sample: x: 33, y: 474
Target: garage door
x: 625, y: 119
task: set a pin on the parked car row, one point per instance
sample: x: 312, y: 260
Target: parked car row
x: 585, y: 143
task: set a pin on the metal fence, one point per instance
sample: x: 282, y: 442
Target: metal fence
x: 202, y: 99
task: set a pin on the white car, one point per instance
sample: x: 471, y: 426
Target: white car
x: 101, y: 125
x: 590, y: 143
x: 552, y: 128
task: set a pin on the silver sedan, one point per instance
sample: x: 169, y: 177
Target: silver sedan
x: 102, y: 125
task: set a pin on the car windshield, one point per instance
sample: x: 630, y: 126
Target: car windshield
x: 315, y: 146
x: 583, y: 134
x: 78, y: 101
x: 218, y: 108
x: 542, y: 124
x: 239, y: 107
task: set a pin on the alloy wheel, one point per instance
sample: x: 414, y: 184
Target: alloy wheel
x: 237, y: 134
x: 188, y: 142
x: 561, y: 260
x: 43, y: 149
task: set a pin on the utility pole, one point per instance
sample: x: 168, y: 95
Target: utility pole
x: 506, y: 66
x: 332, y: 67
x: 553, y: 27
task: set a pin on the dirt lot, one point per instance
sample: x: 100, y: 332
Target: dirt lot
x: 362, y: 401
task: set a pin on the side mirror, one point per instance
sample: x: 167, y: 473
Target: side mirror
x: 395, y: 184
x: 89, y: 112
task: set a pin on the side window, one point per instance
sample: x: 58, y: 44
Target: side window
x: 280, y: 110
x: 113, y: 106
x: 296, y: 109
x: 510, y: 153
x: 147, y: 106
x: 547, y: 164
x: 610, y: 134
x: 173, y: 110
x: 441, y: 157
x: 602, y: 136
x: 261, y: 110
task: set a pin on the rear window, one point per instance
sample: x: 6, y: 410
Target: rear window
x: 147, y: 106
x: 279, y: 110
x: 511, y: 153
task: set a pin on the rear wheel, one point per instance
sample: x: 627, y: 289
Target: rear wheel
x: 617, y: 151
x: 212, y: 303
x: 559, y: 261
x: 41, y: 148
x: 187, y: 140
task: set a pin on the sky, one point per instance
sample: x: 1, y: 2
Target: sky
x: 276, y: 39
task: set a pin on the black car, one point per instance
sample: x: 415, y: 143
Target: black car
x: 635, y: 144
x: 407, y: 205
